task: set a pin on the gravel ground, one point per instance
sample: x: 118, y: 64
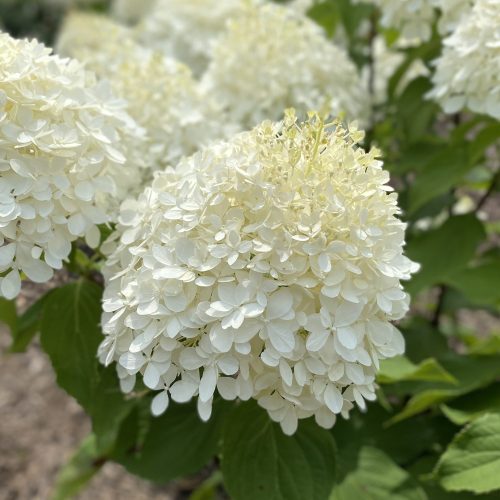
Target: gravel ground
x: 40, y: 426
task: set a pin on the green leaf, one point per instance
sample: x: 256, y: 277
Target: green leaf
x: 461, y: 233
x: 8, y: 314
x: 485, y: 138
x: 474, y: 405
x: 471, y: 372
x: 480, y: 284
x: 472, y: 461
x: 423, y: 340
x: 176, y: 444
x: 259, y: 461
x: 377, y: 477
x: 70, y: 335
x: 401, y: 368
x: 439, y: 175
x: 327, y: 15
x: 79, y: 470
x: 28, y: 325
x: 415, y: 113
x: 398, y: 441
x: 109, y: 408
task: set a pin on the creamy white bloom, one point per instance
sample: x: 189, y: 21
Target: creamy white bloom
x: 130, y: 11
x: 301, y: 6
x: 467, y: 71
x: 452, y: 12
x: 161, y: 94
x: 271, y: 58
x: 62, y: 163
x: 267, y: 267
x: 186, y: 30
x: 414, y: 18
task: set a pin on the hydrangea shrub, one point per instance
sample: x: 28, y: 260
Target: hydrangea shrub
x: 282, y: 304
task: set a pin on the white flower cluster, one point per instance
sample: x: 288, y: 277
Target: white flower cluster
x: 467, y: 72
x: 186, y: 30
x: 271, y: 58
x: 61, y: 160
x: 267, y: 267
x: 414, y: 18
x: 452, y: 12
x: 130, y: 11
x: 161, y: 94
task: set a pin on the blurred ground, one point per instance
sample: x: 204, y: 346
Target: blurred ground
x: 40, y: 426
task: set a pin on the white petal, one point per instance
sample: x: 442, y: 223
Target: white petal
x: 347, y: 337
x: 7, y: 253
x: 221, y: 339
x: 317, y: 339
x: 11, y: 285
x: 182, y: 391
x: 280, y: 302
x: 228, y: 388
x: 281, y: 337
x: 347, y: 313
x: 286, y: 372
x: 38, y: 271
x: 159, y: 404
x: 151, y: 376
x: 205, y: 409
x: 228, y: 365
x: 189, y: 359
x: 131, y: 362
x: 333, y: 398
x: 208, y: 383
x: 290, y: 422
x: 355, y: 373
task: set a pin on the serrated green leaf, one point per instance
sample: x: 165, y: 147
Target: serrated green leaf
x: 439, y: 175
x: 472, y: 461
x: 480, y: 284
x: 461, y: 233
x: 176, y: 444
x: 70, y: 335
x: 79, y: 470
x: 415, y: 113
x: 259, y: 461
x: 474, y: 405
x: 377, y: 477
x: 327, y: 15
x: 109, y: 408
x: 401, y: 368
x: 471, y: 372
x: 485, y: 138
x: 398, y: 441
x: 28, y: 325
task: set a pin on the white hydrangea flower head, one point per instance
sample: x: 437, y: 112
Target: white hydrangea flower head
x: 62, y: 164
x: 412, y: 18
x: 386, y: 60
x: 130, y: 11
x: 452, y: 11
x: 161, y: 93
x: 301, y: 6
x: 467, y: 71
x: 271, y: 58
x: 186, y: 30
x: 267, y: 267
